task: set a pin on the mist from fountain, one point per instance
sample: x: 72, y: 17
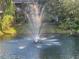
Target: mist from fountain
x: 35, y: 15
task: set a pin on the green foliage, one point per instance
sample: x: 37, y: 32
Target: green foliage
x: 6, y: 27
x: 51, y: 9
x: 10, y: 9
x: 67, y: 12
x: 8, y: 14
x: 71, y: 11
x: 0, y: 2
x: 6, y: 21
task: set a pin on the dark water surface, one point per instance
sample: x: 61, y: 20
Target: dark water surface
x: 60, y: 47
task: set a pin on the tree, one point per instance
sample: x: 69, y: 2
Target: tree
x: 71, y: 11
x: 66, y: 12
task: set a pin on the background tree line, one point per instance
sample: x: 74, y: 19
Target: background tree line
x: 62, y: 13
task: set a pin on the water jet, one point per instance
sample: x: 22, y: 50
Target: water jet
x: 35, y: 15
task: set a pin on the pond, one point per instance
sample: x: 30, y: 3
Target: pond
x: 55, y: 47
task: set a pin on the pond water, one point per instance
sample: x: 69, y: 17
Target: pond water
x: 55, y: 47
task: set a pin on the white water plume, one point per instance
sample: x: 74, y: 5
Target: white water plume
x: 35, y: 15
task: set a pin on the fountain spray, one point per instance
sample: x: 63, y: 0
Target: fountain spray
x: 35, y: 16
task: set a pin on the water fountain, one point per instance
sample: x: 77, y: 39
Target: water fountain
x: 48, y: 48
x: 35, y: 15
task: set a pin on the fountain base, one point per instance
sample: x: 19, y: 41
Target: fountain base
x: 36, y: 39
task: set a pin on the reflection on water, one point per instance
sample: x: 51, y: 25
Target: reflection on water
x: 51, y: 53
x: 52, y: 48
